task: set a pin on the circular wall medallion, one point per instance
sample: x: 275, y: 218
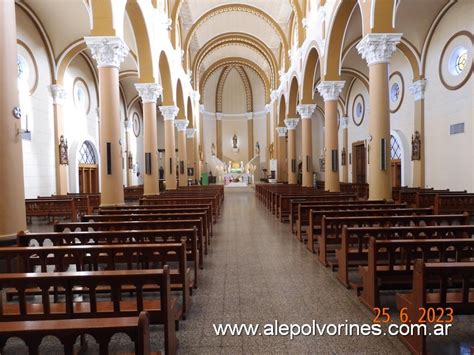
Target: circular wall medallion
x: 358, y: 109
x: 455, y: 66
x: 396, y: 91
x: 81, y: 95
x: 136, y: 124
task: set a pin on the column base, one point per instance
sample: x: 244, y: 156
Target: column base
x: 112, y: 204
x: 151, y: 194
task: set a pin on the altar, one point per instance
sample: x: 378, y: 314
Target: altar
x: 234, y: 179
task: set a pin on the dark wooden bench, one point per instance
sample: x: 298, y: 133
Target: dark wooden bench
x: 162, y: 309
x: 50, y: 208
x: 424, y: 295
x: 133, y: 193
x: 354, y: 243
x: 454, y: 203
x: 390, y: 263
x: 118, y: 237
x: 183, y: 201
x: 68, y: 330
x: 103, y: 257
x: 331, y: 227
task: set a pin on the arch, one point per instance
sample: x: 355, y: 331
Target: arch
x: 245, y: 80
x: 382, y: 16
x: 74, y: 160
x: 240, y: 8
x: 293, y: 98
x: 190, y: 112
x: 165, y: 77
x: 180, y: 100
x: 282, y: 111
x: 310, y: 66
x: 142, y: 39
x: 236, y: 61
x: 102, y: 18
x: 337, y: 30
x: 235, y: 38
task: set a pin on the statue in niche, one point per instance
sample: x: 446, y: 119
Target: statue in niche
x: 63, y: 157
x: 234, y: 141
x: 257, y: 148
x: 416, y: 146
x: 213, y: 149
x: 271, y: 151
x: 201, y: 154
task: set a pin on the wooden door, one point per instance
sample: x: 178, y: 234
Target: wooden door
x: 396, y: 173
x: 88, y: 178
x: 359, y: 163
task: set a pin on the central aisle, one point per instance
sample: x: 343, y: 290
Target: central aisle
x: 256, y: 272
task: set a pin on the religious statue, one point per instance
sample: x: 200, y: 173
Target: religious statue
x: 241, y: 166
x: 343, y: 156
x: 257, y: 148
x: 234, y: 141
x: 416, y: 146
x: 201, y: 154
x: 63, y: 158
x: 271, y: 150
x: 130, y: 160
x: 213, y: 149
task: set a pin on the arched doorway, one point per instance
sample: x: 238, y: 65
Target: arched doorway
x: 88, y: 169
x: 396, y: 156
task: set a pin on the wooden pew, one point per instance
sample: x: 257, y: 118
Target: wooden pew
x: 50, y: 208
x: 454, y: 203
x: 141, y: 225
x: 353, y: 250
x: 121, y: 304
x: 104, y: 257
x: 133, y: 193
x: 68, y: 330
x: 328, y: 231
x: 186, y: 201
x: 424, y: 295
x: 390, y: 262
x: 118, y: 237
x: 304, y: 210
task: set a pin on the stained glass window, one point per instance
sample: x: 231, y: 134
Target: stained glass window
x: 86, y: 154
x: 359, y: 110
x: 22, y: 70
x: 458, y: 61
x: 395, y: 149
x: 394, y: 92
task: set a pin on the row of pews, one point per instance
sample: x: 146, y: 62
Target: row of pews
x: 422, y: 251
x: 118, y: 270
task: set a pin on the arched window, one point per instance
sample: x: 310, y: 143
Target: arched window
x: 395, y: 149
x: 87, y: 154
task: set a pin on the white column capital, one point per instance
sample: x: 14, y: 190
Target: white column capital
x: 196, y: 96
x: 417, y: 89
x: 377, y: 48
x: 108, y: 51
x: 219, y: 116
x: 291, y: 123
x: 58, y: 93
x: 344, y: 122
x: 274, y: 95
x: 169, y: 112
x: 306, y: 110
x: 249, y: 116
x: 149, y: 92
x: 268, y: 108
x: 190, y: 132
x: 330, y: 90
x: 281, y: 131
x: 202, y: 108
x: 181, y: 125
x: 127, y: 124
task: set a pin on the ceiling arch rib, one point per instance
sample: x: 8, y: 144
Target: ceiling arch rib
x: 237, y: 61
x: 235, y: 38
x: 223, y: 9
x: 221, y: 83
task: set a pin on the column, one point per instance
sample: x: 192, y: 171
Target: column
x: 291, y: 124
x: 418, y: 91
x: 12, y: 188
x: 306, y: 112
x: 250, y: 141
x: 200, y: 148
x: 282, y: 174
x: 376, y: 49
x: 59, y: 96
x: 169, y: 113
x: 149, y: 94
x: 181, y: 126
x: 330, y: 91
x: 219, y: 135
x: 191, y: 148
x: 129, y: 163
x: 109, y: 52
x: 345, y: 149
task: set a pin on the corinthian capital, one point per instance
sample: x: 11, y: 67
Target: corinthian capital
x: 169, y: 112
x: 417, y: 89
x: 377, y: 48
x: 181, y: 125
x: 190, y: 132
x: 330, y: 90
x: 291, y: 123
x: 149, y: 92
x: 58, y: 94
x: 108, y: 51
x: 306, y: 110
x: 281, y: 131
